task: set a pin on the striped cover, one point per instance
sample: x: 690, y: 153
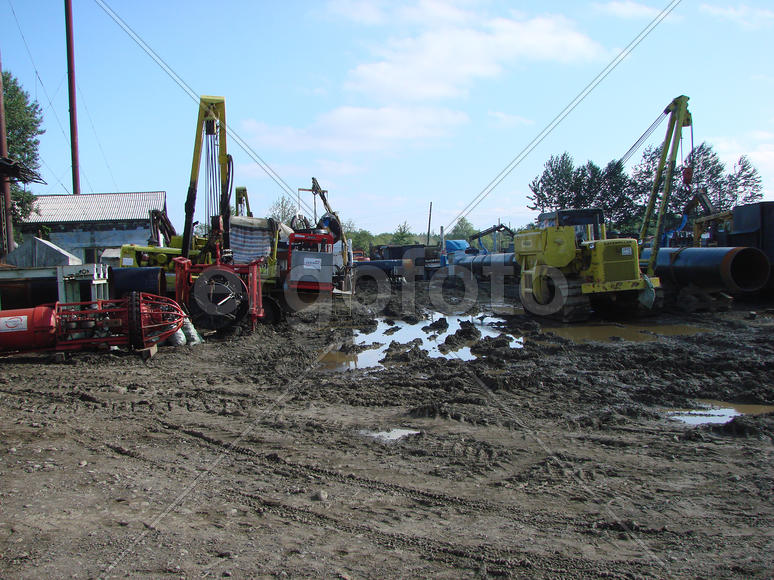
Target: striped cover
x: 250, y: 238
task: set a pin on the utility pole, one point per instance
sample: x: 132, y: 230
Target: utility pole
x: 429, y: 219
x: 6, y: 215
x: 71, y: 90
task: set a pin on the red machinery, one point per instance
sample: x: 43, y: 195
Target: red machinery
x: 221, y: 298
x: 138, y: 321
x: 310, y: 261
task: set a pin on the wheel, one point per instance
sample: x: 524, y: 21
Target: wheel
x: 548, y: 293
x: 219, y: 299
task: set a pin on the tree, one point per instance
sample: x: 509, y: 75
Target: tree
x: 551, y: 189
x: 359, y: 238
x: 725, y: 190
x: 402, y: 235
x: 283, y: 209
x: 462, y: 230
x: 564, y: 186
x: 23, y: 120
x: 744, y: 184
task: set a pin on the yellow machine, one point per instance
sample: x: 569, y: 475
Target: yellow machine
x: 210, y: 134
x: 568, y: 263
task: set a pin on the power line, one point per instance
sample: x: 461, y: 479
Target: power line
x: 96, y: 137
x: 287, y: 190
x: 566, y: 111
x: 37, y: 74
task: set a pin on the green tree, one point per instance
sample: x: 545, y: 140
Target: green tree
x: 359, y: 238
x: 725, y: 190
x: 402, y: 235
x: 744, y: 184
x: 551, y: 190
x: 564, y: 186
x: 283, y: 209
x: 462, y: 230
x: 23, y: 119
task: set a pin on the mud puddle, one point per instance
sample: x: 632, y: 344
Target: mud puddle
x: 430, y: 334
x: 612, y: 332
x: 718, y: 412
x: 391, y: 435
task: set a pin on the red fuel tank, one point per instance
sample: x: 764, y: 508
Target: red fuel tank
x: 27, y: 328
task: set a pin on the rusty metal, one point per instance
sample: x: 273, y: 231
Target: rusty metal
x: 71, y: 91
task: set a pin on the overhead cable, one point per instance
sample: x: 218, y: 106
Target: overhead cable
x: 565, y: 112
x: 286, y: 189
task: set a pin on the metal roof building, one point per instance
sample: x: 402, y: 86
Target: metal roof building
x: 88, y: 224
x: 96, y: 207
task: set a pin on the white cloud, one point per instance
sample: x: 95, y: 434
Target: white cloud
x: 627, y: 9
x: 442, y: 62
x: 506, y: 120
x: 741, y: 14
x: 359, y: 129
x: 379, y: 12
x: 359, y: 11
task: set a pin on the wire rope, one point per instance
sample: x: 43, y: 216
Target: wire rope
x: 580, y: 97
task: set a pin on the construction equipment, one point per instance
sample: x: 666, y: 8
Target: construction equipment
x: 490, y: 230
x: 678, y: 236
x: 694, y: 277
x: 210, y: 136
x: 679, y: 117
x: 331, y: 222
x: 243, y: 202
x: 243, y: 264
x: 567, y: 263
x: 139, y: 321
x: 750, y: 225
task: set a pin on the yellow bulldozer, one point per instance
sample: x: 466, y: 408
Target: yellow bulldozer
x: 568, y: 267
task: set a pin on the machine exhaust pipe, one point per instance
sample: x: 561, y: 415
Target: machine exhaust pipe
x: 734, y: 270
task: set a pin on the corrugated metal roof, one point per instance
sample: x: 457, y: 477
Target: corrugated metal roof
x: 95, y: 207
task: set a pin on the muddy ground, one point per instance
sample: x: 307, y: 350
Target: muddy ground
x: 250, y: 456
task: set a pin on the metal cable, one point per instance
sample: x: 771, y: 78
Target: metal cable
x: 96, y: 137
x: 643, y: 138
x: 565, y: 112
x: 287, y: 191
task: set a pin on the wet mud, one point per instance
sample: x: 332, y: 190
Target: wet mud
x: 353, y: 441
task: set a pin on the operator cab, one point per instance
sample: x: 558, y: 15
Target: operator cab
x: 589, y: 223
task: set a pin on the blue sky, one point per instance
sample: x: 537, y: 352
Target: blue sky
x: 389, y: 104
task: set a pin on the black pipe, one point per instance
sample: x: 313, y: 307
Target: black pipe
x: 503, y: 264
x: 125, y: 280
x: 712, y: 269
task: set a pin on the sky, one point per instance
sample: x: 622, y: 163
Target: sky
x: 391, y: 105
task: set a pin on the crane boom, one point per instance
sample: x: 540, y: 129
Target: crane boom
x: 211, y: 121
x: 679, y: 117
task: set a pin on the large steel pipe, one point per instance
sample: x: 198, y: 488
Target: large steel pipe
x: 713, y: 269
x: 502, y: 264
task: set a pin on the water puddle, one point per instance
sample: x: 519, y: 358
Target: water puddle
x: 629, y: 332
x: 431, y: 340
x: 391, y: 435
x: 719, y: 412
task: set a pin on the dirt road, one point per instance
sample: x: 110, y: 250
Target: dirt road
x: 541, y: 456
